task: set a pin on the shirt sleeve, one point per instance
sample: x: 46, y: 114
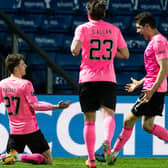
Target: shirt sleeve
x: 121, y: 41
x: 32, y: 99
x: 161, y: 49
x: 79, y: 33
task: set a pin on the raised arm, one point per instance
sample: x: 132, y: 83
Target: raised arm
x: 35, y: 105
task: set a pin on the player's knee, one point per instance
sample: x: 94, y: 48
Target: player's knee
x: 147, y: 128
x: 48, y: 161
x: 128, y: 123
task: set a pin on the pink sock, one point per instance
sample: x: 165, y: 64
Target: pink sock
x: 90, y: 139
x: 109, y: 128
x: 35, y: 158
x: 123, y: 138
x: 160, y: 132
x: 3, y: 155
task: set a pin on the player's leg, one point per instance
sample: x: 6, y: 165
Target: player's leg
x: 109, y: 128
x: 15, y: 144
x: 90, y: 137
x: 40, y: 149
x: 89, y: 104
x: 107, y: 98
x: 157, y: 130
x: 155, y: 107
x: 125, y: 134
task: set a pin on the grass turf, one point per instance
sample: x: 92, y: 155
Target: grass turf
x: 80, y: 163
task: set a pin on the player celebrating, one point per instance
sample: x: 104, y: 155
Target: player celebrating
x: 21, y: 103
x: 151, y: 100
x: 100, y: 42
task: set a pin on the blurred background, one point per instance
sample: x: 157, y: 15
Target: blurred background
x: 42, y: 30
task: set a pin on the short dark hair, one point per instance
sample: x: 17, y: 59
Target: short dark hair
x: 12, y: 60
x: 145, y: 18
x: 96, y: 9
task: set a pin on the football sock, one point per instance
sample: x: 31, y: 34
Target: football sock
x: 90, y: 139
x: 35, y: 158
x: 123, y: 138
x: 109, y: 128
x: 160, y: 132
x: 3, y: 155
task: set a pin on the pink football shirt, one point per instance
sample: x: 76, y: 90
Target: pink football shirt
x: 100, y: 41
x: 18, y: 96
x: 156, y: 50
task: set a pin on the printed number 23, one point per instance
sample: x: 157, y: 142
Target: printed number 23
x: 98, y: 48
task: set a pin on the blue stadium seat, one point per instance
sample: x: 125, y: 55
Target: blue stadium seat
x: 67, y: 61
x: 120, y: 7
x: 62, y: 6
x: 153, y: 6
x: 34, y: 59
x: 62, y: 86
x: 163, y: 27
x: 28, y: 23
x: 136, y: 43
x: 23, y: 46
x: 134, y: 63
x: 3, y: 26
x: 67, y: 43
x: 123, y: 22
x: 34, y: 6
x: 82, y: 7
x: 57, y: 23
x: 3, y: 36
x: 49, y: 42
x: 164, y: 4
x: 39, y: 77
x: 77, y: 20
x: 10, y: 5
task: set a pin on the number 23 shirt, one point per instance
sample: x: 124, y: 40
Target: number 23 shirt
x: 100, y: 41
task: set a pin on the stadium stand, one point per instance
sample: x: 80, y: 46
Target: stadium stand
x: 49, y: 42
x: 163, y: 26
x: 37, y: 6
x: 155, y: 7
x: 28, y: 23
x: 120, y: 7
x: 51, y: 24
x: 57, y: 23
x: 62, y: 6
x: 10, y: 6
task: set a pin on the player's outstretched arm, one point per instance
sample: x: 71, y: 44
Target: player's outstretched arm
x: 130, y: 87
x: 62, y: 105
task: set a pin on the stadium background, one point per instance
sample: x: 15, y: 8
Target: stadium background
x: 50, y: 24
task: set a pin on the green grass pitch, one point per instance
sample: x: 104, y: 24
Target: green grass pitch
x: 80, y: 163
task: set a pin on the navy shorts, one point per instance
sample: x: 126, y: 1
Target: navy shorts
x: 94, y: 94
x: 35, y: 141
x: 152, y: 108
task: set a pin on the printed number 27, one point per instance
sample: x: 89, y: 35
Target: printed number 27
x: 8, y: 103
x: 98, y: 48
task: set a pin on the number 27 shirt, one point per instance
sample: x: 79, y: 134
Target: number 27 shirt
x: 21, y: 103
x: 100, y: 41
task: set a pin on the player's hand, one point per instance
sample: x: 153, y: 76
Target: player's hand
x: 147, y: 96
x: 62, y: 105
x: 130, y: 87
